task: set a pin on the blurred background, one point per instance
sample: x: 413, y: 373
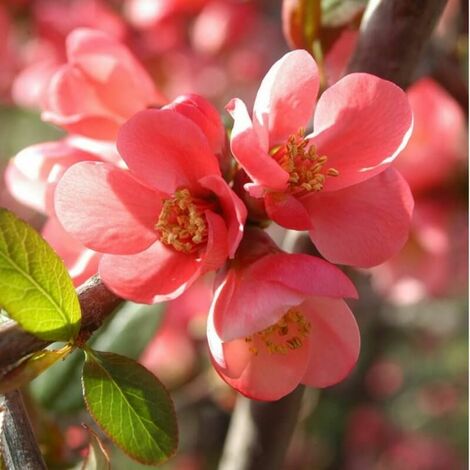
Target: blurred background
x: 405, y: 404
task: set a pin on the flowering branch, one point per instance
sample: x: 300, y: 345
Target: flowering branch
x: 96, y: 302
x: 393, y: 35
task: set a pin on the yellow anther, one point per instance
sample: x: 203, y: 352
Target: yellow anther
x: 182, y: 223
x: 288, y: 334
x: 305, y: 167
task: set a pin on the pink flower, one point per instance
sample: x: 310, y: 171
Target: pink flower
x: 31, y: 177
x: 32, y: 174
x: 439, y: 140
x: 434, y: 261
x: 99, y: 88
x: 279, y: 319
x: 336, y: 182
x: 163, y: 223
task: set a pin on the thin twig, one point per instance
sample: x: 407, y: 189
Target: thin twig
x: 20, y: 449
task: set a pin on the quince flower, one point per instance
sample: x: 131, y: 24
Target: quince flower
x: 164, y: 222
x: 99, y: 88
x: 335, y: 182
x: 279, y: 319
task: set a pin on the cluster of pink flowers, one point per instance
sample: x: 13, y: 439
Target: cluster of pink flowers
x: 144, y: 188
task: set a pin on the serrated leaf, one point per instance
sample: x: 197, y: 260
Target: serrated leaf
x: 97, y: 458
x: 130, y: 405
x: 35, y: 287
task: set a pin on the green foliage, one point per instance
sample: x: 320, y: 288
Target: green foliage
x: 131, y: 406
x: 128, y: 332
x: 35, y: 287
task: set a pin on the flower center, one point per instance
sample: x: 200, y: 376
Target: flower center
x: 287, y: 334
x: 305, y: 167
x: 182, y: 223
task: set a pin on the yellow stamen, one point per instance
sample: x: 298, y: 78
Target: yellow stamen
x: 305, y: 167
x: 288, y: 334
x: 182, y: 223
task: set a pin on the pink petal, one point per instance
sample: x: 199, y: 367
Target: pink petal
x: 261, y: 377
x: 30, y: 192
x: 32, y: 174
x: 361, y: 124
x: 217, y: 249
x: 251, y: 153
x: 438, y: 134
x: 244, y: 304
x: 72, y: 103
x: 107, y: 62
x: 204, y: 115
x: 304, y: 273
x: 233, y: 208
x: 166, y: 150
x: 286, y: 97
x: 156, y: 274
x: 81, y: 262
x: 365, y: 224
x: 106, y: 208
x: 287, y: 211
x: 251, y: 299
x: 334, y: 341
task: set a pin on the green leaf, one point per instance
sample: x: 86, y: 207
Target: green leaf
x: 31, y: 367
x: 131, y: 406
x: 127, y: 332
x: 97, y: 458
x: 35, y: 287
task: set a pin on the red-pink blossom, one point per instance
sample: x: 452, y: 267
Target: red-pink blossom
x: 164, y: 222
x: 32, y: 174
x: 336, y: 182
x: 99, y: 87
x: 31, y: 177
x: 434, y: 261
x: 438, y: 144
x: 279, y: 319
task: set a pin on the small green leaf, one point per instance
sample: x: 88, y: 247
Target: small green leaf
x: 127, y: 332
x: 31, y: 367
x: 35, y: 287
x: 130, y: 405
x: 97, y: 458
